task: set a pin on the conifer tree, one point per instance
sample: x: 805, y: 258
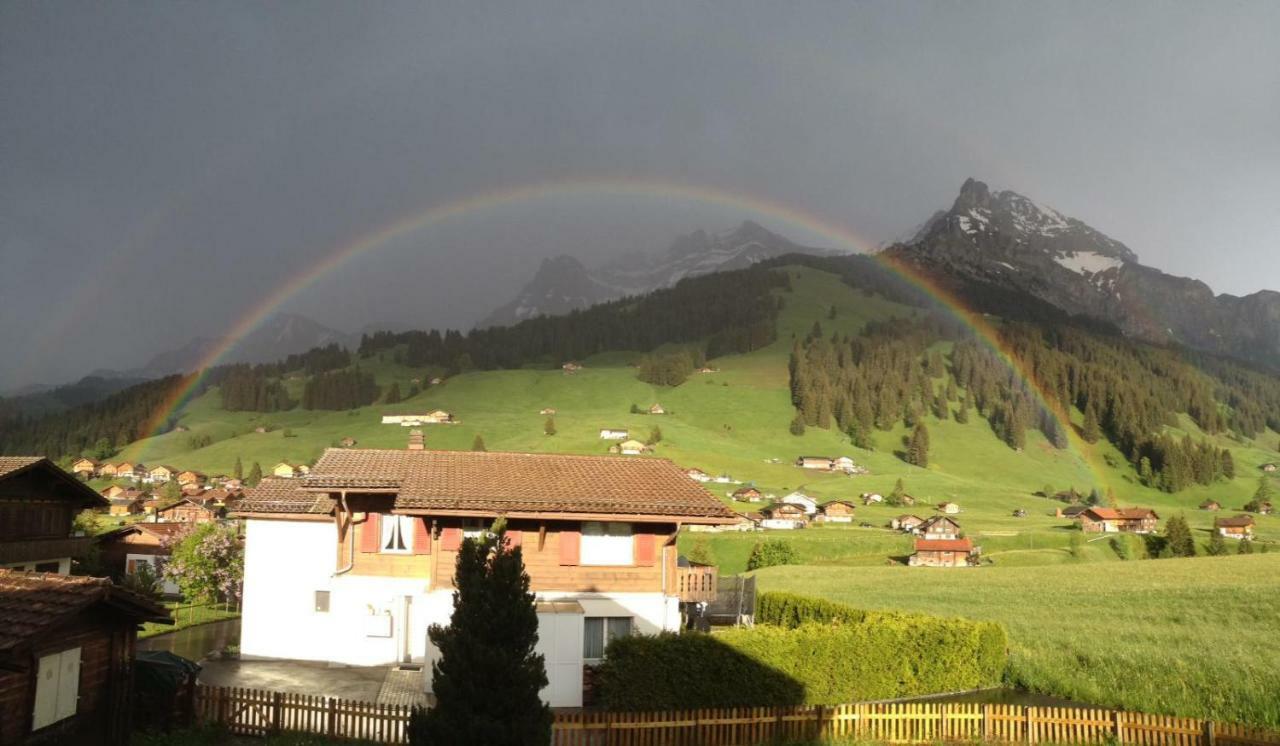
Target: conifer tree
x: 899, y: 492
x: 797, y: 425
x: 1246, y: 547
x: 1264, y: 492
x: 255, y: 474
x: 1217, y: 547
x: 655, y: 435
x: 962, y: 414
x: 488, y: 677
x: 478, y: 443
x: 1178, y: 537
x: 1091, y: 431
x: 1228, y: 465
x: 393, y: 394
x: 549, y: 427
x: 918, y: 446
x: 237, y: 471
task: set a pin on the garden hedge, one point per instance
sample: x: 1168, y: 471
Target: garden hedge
x: 822, y: 653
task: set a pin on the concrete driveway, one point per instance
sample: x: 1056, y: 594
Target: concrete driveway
x: 299, y: 677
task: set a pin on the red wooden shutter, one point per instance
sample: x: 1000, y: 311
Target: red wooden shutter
x: 645, y: 549
x: 370, y: 533
x: 451, y: 539
x: 570, y: 547
x: 422, y: 536
x: 514, y: 539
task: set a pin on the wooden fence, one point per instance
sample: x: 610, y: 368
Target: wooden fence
x: 257, y: 712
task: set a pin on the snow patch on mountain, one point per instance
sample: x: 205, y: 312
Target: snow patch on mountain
x: 1088, y: 262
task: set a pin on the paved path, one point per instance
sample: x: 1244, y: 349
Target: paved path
x: 404, y: 688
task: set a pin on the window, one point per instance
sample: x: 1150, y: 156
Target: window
x: 606, y: 544
x: 57, y: 688
x: 599, y: 631
x: 397, y: 534
x: 322, y: 602
x: 474, y: 528
x: 49, y: 566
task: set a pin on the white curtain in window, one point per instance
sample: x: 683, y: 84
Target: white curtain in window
x: 606, y: 544
x: 397, y: 533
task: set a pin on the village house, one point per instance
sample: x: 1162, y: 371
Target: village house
x: 191, y: 510
x: 747, y: 495
x: 806, y: 503
x: 191, y: 477
x: 38, y: 506
x: 107, y: 471
x: 871, y: 498
x: 439, y: 417
x: 114, y: 490
x: 906, y: 522
x: 1071, y: 511
x: 121, y: 507
x: 347, y: 442
x: 630, y: 448
x: 161, y: 474
x: 943, y: 553
x: 836, y: 511
x: 697, y: 475
x: 1236, y: 527
x: 285, y: 470
x: 822, y: 463
x: 352, y: 564
x: 131, y: 470
x: 613, y: 433
x: 85, y: 467
x: 656, y: 409
x: 547, y: 411
x: 1263, y: 508
x: 570, y: 368
x: 1127, y: 520
x: 1211, y: 505
x: 938, y: 527
x: 66, y: 658
x: 948, y: 508
x: 783, y: 516
x: 125, y: 549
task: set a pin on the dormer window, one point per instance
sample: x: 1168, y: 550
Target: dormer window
x: 397, y: 534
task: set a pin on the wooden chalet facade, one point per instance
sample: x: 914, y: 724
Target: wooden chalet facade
x: 1119, y: 520
x: 836, y: 511
x: 938, y: 527
x: 943, y: 553
x: 1236, y: 527
x: 193, y: 509
x: 128, y: 547
x: 353, y: 563
x: 162, y: 474
x: 124, y: 506
x: 66, y: 658
x: 191, y: 477
x: 38, y: 505
x: 906, y: 522
x: 784, y: 516
x: 747, y: 495
x: 85, y: 468
x: 1211, y: 505
x: 822, y: 463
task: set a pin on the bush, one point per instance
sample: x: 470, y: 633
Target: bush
x: 886, y: 656
x: 790, y: 610
x: 771, y: 553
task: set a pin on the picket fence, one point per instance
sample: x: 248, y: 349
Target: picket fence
x: 257, y: 712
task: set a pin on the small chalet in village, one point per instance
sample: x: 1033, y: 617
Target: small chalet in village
x: 747, y: 495
x: 1211, y: 505
x: 286, y: 470
x: 803, y: 501
x: 949, y: 508
x: 656, y: 409
x: 1123, y: 520
x: 127, y: 548
x: 107, y: 471
x: 86, y: 468
x: 784, y: 516
x: 836, y: 511
x: 822, y: 463
x: 1236, y: 527
x: 697, y: 475
x: 906, y: 522
x: 938, y: 527
x: 66, y: 658
x: 354, y: 562
x: 630, y: 447
x: 124, y: 506
x: 194, y: 509
x: 1071, y: 511
x: 161, y: 474
x: 547, y: 411
x: 943, y: 553
x: 131, y: 470
x: 191, y: 477
x: 38, y: 505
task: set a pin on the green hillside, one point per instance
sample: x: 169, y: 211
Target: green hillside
x: 731, y: 421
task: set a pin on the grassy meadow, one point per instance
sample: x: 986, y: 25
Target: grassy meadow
x: 1194, y: 637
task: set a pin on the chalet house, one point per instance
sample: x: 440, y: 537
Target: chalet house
x: 1126, y: 520
x: 570, y: 368
x: 1071, y: 511
x: 806, y: 503
x: 938, y: 527
x: 1237, y: 527
x: 354, y: 562
x: 416, y: 420
x: 872, y: 497
x: 191, y: 477
x: 107, y: 470
x: 906, y: 500
x: 613, y: 434
x: 191, y: 510
x: 1263, y: 508
x: 547, y: 411
x: 161, y: 474
x: 657, y: 409
x: 85, y: 467
x: 439, y: 417
x: 1211, y: 505
x: 948, y: 508
x: 784, y: 516
x: 836, y: 511
x: 66, y: 658
x: 630, y: 448
x: 347, y: 442
x: 843, y: 463
x: 697, y: 475
x: 124, y: 506
x: 128, y: 547
x: 1270, y: 468
x: 114, y: 490
x: 131, y: 470
x: 822, y: 463
x: 747, y: 495
x: 285, y: 469
x: 943, y: 553
x: 38, y: 503
x: 906, y: 522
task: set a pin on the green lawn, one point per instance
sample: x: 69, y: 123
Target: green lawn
x: 188, y: 615
x: 1193, y: 637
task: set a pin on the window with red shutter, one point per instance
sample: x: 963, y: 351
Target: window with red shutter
x: 646, y: 549
x: 514, y: 539
x: 370, y: 533
x: 451, y: 539
x: 570, y: 546
x: 422, y: 537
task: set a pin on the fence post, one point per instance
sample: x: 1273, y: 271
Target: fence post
x: 331, y: 716
x: 276, y: 710
x: 1119, y: 726
x: 942, y: 722
x: 986, y: 723
x: 1030, y: 723
x: 1210, y: 739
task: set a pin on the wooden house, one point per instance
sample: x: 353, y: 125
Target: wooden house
x: 697, y: 475
x: 124, y: 506
x: 906, y: 522
x: 131, y: 470
x: 107, y: 470
x: 939, y: 527
x: 822, y: 463
x: 191, y: 477
x: 630, y: 447
x: 38, y: 505
x: 347, y: 442
x: 783, y: 516
x: 806, y: 503
x: 191, y: 510
x: 66, y: 658
x: 747, y: 495
x: 1122, y: 520
x: 836, y: 511
x: 114, y: 490
x: 161, y: 474
x: 943, y: 553
x: 843, y: 463
x: 125, y: 549
x: 285, y: 470
x: 1211, y: 505
x: 1236, y: 527
x: 373, y: 537
x: 656, y: 408
x: 1071, y: 511
x: 949, y: 508
x: 85, y: 467
x: 439, y: 417
x: 547, y: 411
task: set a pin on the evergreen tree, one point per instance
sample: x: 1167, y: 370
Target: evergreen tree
x: 478, y: 443
x: 1091, y: 431
x: 655, y: 435
x: 899, y: 492
x: 1178, y: 537
x: 797, y: 425
x: 962, y: 414
x: 918, y: 446
x: 393, y: 394
x: 255, y: 474
x: 237, y: 471
x: 1217, y: 547
x: 1228, y: 465
x: 1264, y: 492
x: 549, y: 427
x: 1246, y: 547
x: 488, y: 678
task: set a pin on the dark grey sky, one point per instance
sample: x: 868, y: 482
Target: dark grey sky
x: 165, y: 165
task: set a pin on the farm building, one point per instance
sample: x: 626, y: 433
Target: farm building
x: 656, y: 409
x: 1236, y: 527
x: 614, y: 433
x: 547, y: 411
x: 697, y: 475
x: 806, y: 503
x: 347, y: 442
x: 1123, y: 520
x: 906, y: 522
x: 747, y: 495
x: 85, y: 467
x: 939, y: 527
x: 836, y: 511
x: 784, y: 516
x: 630, y: 448
x: 1071, y: 511
x: 1211, y: 505
x: 948, y: 508
x: 822, y: 463
x: 943, y: 553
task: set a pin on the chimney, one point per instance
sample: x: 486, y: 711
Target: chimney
x: 416, y: 442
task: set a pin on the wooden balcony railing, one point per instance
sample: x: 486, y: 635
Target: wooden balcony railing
x: 696, y: 583
x: 32, y: 550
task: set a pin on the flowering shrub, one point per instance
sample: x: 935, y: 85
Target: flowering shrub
x: 208, y: 564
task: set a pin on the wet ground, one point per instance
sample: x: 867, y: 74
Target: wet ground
x: 196, y: 642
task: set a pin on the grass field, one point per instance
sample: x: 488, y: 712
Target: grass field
x: 1194, y: 637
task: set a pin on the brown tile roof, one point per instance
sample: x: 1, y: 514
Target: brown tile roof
x: 943, y: 545
x: 1241, y: 521
x: 10, y: 464
x: 33, y: 603
x: 282, y: 495
x: 1122, y: 514
x: 495, y: 482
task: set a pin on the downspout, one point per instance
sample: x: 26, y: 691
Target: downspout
x: 351, y: 542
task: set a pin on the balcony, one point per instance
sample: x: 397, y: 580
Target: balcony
x: 32, y: 550
x: 696, y: 583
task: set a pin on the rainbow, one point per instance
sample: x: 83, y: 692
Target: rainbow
x: 842, y: 236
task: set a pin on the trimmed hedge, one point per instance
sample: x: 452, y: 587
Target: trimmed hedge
x: 822, y: 653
